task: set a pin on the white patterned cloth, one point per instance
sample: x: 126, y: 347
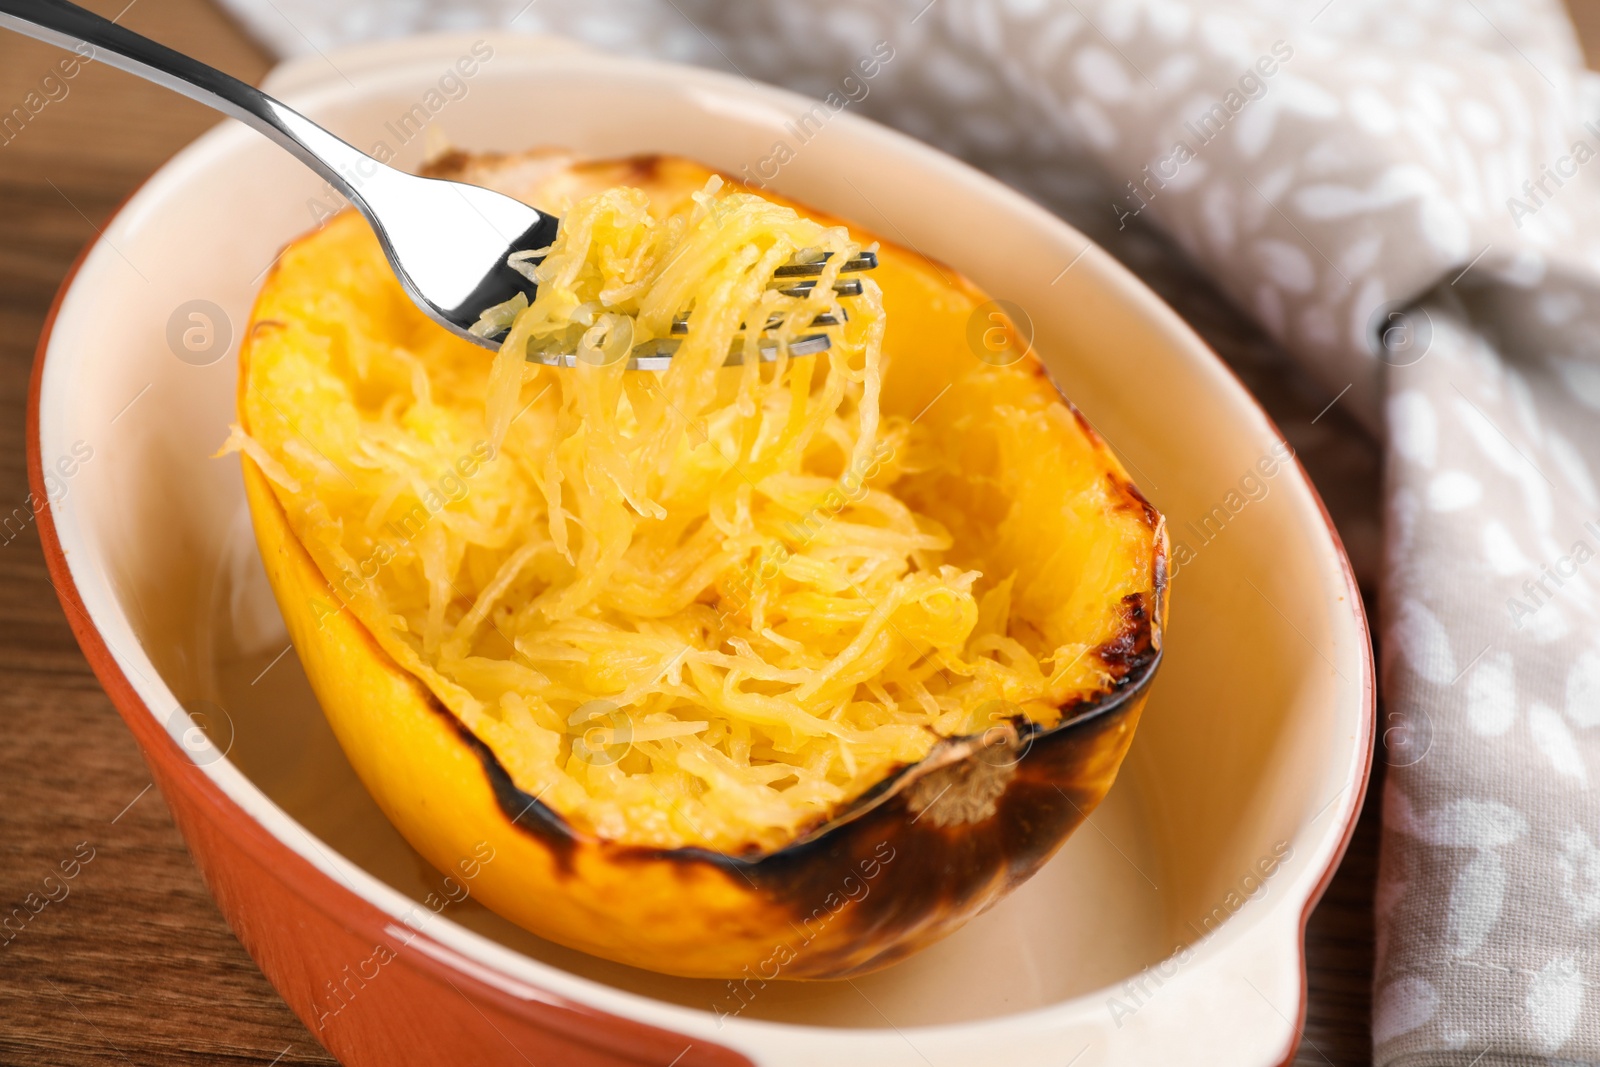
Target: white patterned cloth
x: 1401, y: 197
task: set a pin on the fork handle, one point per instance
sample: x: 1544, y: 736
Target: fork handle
x: 70, y: 26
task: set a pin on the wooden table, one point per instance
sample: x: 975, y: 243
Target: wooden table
x: 136, y: 966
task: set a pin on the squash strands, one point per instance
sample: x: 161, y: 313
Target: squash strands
x: 714, y: 608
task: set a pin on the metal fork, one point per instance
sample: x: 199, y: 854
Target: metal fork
x: 448, y: 242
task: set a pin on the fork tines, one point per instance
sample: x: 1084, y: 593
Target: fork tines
x: 680, y: 325
x: 812, y: 268
x: 657, y: 354
x: 843, y: 287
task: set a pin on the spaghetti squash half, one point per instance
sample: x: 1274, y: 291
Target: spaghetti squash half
x: 696, y: 650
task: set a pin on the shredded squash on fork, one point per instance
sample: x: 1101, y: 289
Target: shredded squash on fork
x: 684, y: 608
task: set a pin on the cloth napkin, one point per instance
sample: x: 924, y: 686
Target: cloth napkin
x: 1385, y: 216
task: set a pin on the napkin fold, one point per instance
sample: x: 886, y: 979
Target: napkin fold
x: 1385, y: 216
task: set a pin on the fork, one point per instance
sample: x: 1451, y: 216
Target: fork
x: 448, y: 242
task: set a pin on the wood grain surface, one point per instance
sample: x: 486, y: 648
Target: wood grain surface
x: 134, y: 965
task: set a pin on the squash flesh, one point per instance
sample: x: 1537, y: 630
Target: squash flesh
x: 988, y: 553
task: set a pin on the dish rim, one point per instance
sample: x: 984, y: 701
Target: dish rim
x: 223, y: 786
